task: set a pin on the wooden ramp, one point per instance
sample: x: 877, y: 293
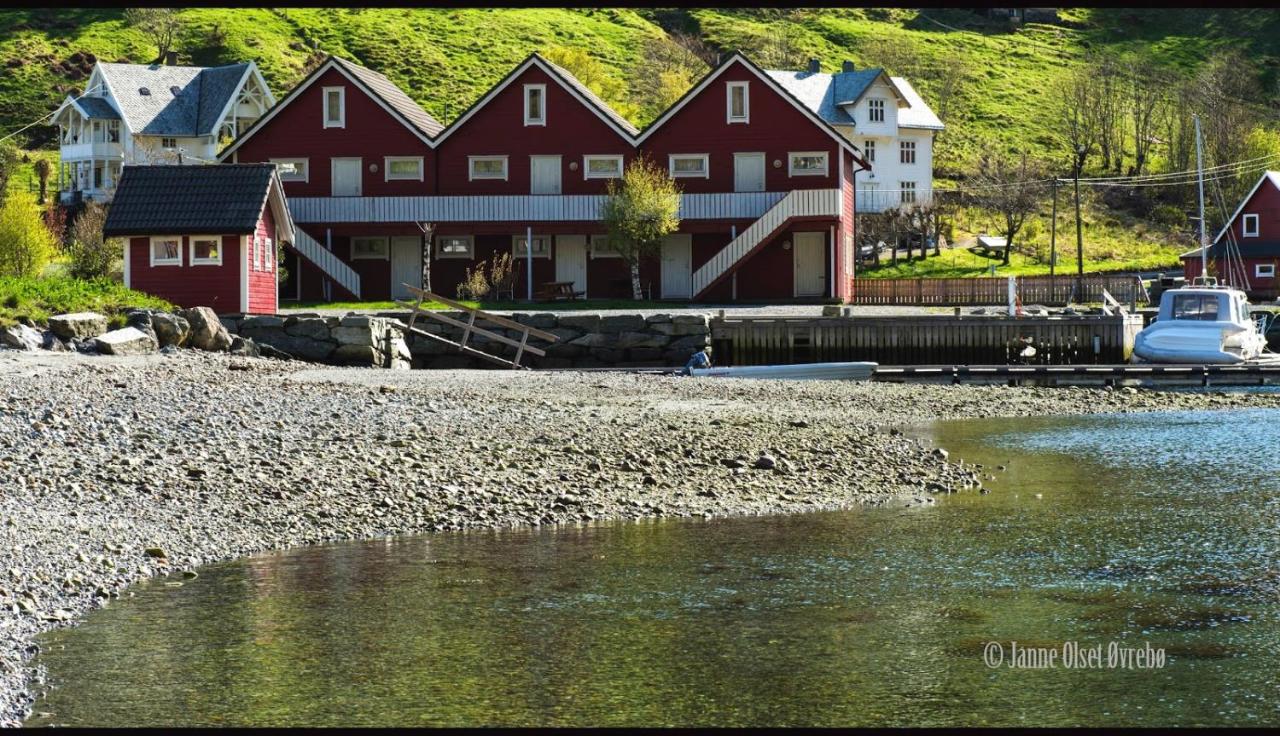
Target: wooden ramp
x: 470, y: 328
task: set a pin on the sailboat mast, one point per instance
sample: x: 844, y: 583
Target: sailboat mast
x: 1204, y: 242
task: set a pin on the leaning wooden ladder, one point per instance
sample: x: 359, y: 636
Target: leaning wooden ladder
x: 469, y: 327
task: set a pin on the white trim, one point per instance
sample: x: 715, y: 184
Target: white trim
x: 333, y: 176
x: 471, y: 174
x: 268, y: 247
x: 235, y: 95
x: 191, y: 246
x: 441, y: 255
x: 728, y: 102
x: 588, y: 158
x: 244, y: 274
x: 515, y: 251
x: 257, y: 252
x: 826, y: 163
x: 151, y: 250
x: 1243, y: 202
x: 386, y: 168
x: 706, y: 166
x: 542, y: 92
x: 386, y: 246
x: 1258, y: 274
x: 128, y: 262
x: 306, y: 165
x: 1244, y: 225
x: 342, y: 107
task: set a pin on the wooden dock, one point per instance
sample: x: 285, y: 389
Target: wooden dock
x: 1149, y: 376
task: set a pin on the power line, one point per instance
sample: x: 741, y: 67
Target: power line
x: 1177, y: 174
x: 46, y: 117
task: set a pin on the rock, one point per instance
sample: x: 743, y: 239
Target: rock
x: 616, y: 323
x: 581, y: 322
x: 262, y: 322
x: 126, y: 341
x: 595, y: 340
x: 355, y: 355
x: 21, y: 337
x: 766, y: 462
x: 244, y: 346
x: 312, y: 327
x: 78, y: 326
x: 267, y: 351
x: 941, y: 453
x: 642, y: 340
x: 540, y: 320
x: 170, y: 329
x: 299, y: 347
x: 155, y: 553
x: 355, y: 335
x: 799, y: 423
x: 689, y: 345
x: 51, y: 343
x: 207, y: 333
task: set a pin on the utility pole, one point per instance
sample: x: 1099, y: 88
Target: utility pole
x: 1079, y: 234
x: 1053, y: 230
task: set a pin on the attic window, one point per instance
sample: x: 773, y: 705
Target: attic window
x: 335, y: 107
x: 875, y: 110
x: 535, y: 112
x: 144, y: 91
x: 737, y: 102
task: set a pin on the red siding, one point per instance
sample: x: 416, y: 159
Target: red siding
x: 216, y: 287
x: 848, y: 221
x: 1266, y: 204
x: 263, y: 290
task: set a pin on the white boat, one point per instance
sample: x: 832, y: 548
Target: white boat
x: 795, y: 372
x: 1203, y: 323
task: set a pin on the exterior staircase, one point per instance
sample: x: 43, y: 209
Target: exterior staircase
x: 326, y: 261
x: 797, y: 203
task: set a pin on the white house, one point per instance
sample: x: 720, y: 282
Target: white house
x: 882, y: 115
x: 152, y: 114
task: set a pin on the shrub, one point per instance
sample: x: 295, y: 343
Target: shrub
x: 91, y: 254
x: 474, y: 285
x: 502, y: 272
x: 26, y: 245
x: 1170, y: 216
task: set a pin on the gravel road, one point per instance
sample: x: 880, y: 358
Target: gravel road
x: 116, y: 469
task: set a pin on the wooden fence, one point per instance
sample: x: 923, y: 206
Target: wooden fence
x: 1047, y: 290
x: 931, y: 340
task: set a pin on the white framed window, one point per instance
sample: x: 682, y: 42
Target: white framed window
x: 875, y: 110
x: 541, y: 246
x: 267, y: 248
x: 906, y: 152
x: 600, y: 247
x: 169, y: 143
x: 602, y: 167
x: 689, y: 165
x: 455, y: 246
x: 869, y: 148
x: 487, y: 167
x: 908, y: 191
x: 335, y: 107
x: 535, y: 104
x: 808, y: 163
x: 737, y: 102
x: 402, y: 168
x: 1250, y: 226
x: 292, y: 169
x: 1264, y: 270
x: 365, y: 248
x: 166, y: 250
x: 206, y: 250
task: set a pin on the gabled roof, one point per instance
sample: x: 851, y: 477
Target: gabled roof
x: 829, y: 94
x: 1250, y: 248
x: 1272, y: 176
x: 194, y: 200
x: 770, y: 82
x: 202, y: 93
x: 96, y: 108
x: 917, y: 114
x: 380, y: 89
x: 571, y: 84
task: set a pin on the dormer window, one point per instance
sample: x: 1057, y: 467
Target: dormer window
x: 738, y: 103
x: 335, y: 107
x: 1250, y: 226
x: 175, y: 90
x: 535, y: 104
x: 875, y: 110
x: 144, y: 91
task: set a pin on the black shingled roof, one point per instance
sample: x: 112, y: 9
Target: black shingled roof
x: 225, y: 199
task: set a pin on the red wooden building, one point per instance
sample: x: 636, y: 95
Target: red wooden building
x: 1254, y: 233
x: 767, y: 211
x: 203, y: 235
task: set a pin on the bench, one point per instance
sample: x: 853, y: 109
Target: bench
x: 555, y: 290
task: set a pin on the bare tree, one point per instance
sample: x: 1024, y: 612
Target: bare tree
x: 1108, y: 111
x: 1077, y: 125
x: 161, y: 25
x: 1012, y: 189
x: 781, y: 46
x: 665, y: 72
x: 1145, y: 87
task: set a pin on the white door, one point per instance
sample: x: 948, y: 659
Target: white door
x: 571, y: 260
x: 545, y: 174
x: 346, y: 177
x: 406, y: 265
x: 810, y: 269
x: 677, y: 267
x: 748, y: 172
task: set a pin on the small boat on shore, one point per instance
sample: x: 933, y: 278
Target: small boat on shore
x: 853, y: 371
x: 1201, y: 324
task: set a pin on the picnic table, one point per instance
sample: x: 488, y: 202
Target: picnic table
x: 553, y: 290
x: 989, y: 244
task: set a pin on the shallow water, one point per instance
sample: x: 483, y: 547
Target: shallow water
x: 1156, y: 529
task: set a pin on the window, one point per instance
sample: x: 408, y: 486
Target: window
x: 535, y: 104
x: 488, y: 167
x: 369, y: 248
x: 738, y: 102
x: 906, y: 152
x: 600, y: 247
x: 908, y: 191
x: 540, y: 247
x: 689, y: 165
x: 808, y: 163
x: 1264, y: 270
x: 267, y: 248
x: 169, y: 143
x: 206, y: 250
x: 291, y: 169
x: 455, y: 246
x: 257, y: 253
x: 166, y: 251
x: 601, y: 167
x: 113, y: 131
x: 869, y: 147
x: 335, y: 107
x: 99, y: 134
x: 403, y: 168
x: 1196, y: 306
x: 1250, y: 226
x: 875, y: 110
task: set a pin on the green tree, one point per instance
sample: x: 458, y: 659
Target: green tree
x: 8, y: 164
x: 665, y: 71
x: 1012, y: 189
x: 639, y: 213
x: 594, y: 75
x: 161, y: 25
x: 26, y: 245
x: 92, y: 255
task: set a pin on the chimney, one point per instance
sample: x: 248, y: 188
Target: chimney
x: 814, y: 68
x: 171, y: 58
x: 847, y: 66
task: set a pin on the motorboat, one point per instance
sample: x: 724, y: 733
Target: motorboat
x: 852, y: 371
x: 1203, y: 323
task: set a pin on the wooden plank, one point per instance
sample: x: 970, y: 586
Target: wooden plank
x: 469, y: 327
x: 508, y: 323
x: 467, y: 350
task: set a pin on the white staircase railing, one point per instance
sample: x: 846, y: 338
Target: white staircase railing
x: 326, y: 261
x: 797, y: 203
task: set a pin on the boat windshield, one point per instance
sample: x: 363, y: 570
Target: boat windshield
x: 1196, y: 306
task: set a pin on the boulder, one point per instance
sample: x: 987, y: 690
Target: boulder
x: 78, y: 326
x: 207, y: 332
x: 262, y: 322
x: 21, y: 337
x: 267, y: 351
x: 312, y: 327
x: 691, y: 344
x: 541, y: 320
x: 231, y: 323
x: 170, y: 329
x: 361, y: 336
x: 51, y: 342
x: 581, y: 322
x: 595, y: 340
x: 355, y: 355
x: 244, y: 346
x: 301, y: 348
x: 622, y: 323
x: 642, y: 340
x: 125, y: 341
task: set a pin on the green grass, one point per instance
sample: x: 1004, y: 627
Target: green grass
x: 36, y: 299
x: 493, y: 306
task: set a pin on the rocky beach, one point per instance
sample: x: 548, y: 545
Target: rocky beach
x: 118, y: 468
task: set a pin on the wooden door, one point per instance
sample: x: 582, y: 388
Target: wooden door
x: 571, y: 260
x: 346, y: 177
x: 809, y: 250
x: 677, y: 267
x: 406, y: 265
x: 748, y: 172
x: 544, y: 174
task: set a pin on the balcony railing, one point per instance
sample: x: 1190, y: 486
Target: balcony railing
x: 875, y: 201
x: 86, y: 151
